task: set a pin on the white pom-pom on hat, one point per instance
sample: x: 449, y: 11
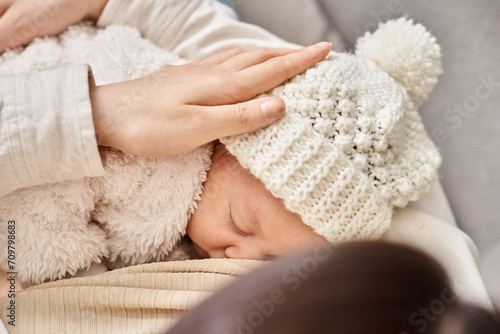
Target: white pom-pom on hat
x: 407, y: 52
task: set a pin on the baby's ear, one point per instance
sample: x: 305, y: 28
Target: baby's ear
x: 407, y: 52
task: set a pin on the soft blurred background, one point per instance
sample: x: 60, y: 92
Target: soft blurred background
x: 462, y: 114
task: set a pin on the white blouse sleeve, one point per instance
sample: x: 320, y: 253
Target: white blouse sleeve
x: 46, y: 128
x: 192, y: 29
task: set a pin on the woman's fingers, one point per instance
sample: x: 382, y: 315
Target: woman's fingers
x: 226, y: 86
x: 271, y: 73
x: 4, y: 5
x: 3, y: 8
x: 228, y: 120
x: 221, y: 57
x: 20, y: 24
x: 253, y: 57
x: 23, y: 20
x: 13, y: 32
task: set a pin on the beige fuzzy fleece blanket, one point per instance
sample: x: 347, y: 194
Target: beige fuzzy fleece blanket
x: 138, y: 211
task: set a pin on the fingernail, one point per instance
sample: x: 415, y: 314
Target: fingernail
x: 323, y: 44
x: 273, y: 108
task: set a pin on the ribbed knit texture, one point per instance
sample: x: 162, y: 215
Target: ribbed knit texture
x: 314, y: 178
x: 140, y: 299
x: 352, y: 144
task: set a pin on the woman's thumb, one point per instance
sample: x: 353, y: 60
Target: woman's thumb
x: 248, y: 116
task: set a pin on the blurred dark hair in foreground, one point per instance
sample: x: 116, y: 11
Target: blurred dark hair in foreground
x: 365, y: 287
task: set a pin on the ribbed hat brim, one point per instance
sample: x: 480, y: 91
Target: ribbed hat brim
x: 314, y: 179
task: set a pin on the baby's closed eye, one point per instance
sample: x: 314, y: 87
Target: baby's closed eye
x: 237, y: 226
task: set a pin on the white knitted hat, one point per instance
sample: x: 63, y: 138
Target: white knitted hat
x: 352, y: 144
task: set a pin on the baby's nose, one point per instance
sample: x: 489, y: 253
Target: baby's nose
x: 245, y: 252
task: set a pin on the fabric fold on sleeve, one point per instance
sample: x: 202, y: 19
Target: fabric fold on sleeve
x: 46, y: 128
x: 193, y: 30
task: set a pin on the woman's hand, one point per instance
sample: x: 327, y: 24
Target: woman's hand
x: 179, y: 108
x: 23, y: 20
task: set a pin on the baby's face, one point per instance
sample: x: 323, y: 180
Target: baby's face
x: 237, y: 217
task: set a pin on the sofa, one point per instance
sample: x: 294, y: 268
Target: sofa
x: 461, y: 114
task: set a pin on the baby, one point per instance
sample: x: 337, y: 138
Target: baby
x: 237, y: 217
x: 350, y: 148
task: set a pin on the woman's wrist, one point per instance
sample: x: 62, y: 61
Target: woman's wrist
x: 113, y: 115
x: 99, y: 98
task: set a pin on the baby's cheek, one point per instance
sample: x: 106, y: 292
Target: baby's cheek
x: 196, y: 238
x: 192, y: 229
